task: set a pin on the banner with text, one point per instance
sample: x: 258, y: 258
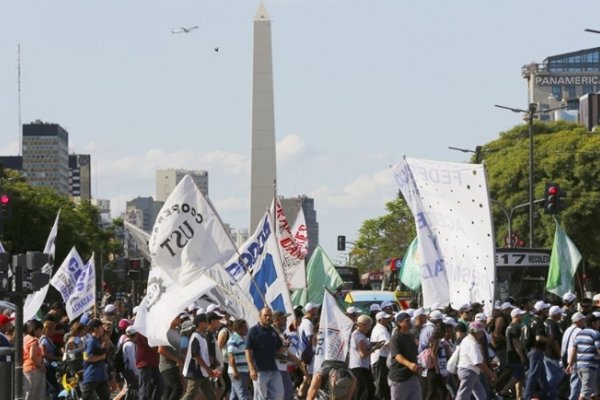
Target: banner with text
x: 292, y: 252
x: 83, y: 296
x: 451, y: 207
x: 65, y: 278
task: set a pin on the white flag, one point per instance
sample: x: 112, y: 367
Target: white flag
x: 451, y: 207
x: 164, y: 300
x: 188, y: 238
x: 334, y: 333
x: 34, y: 301
x: 292, y: 252
x: 258, y: 269
x: 65, y: 278
x: 2, y: 248
x: 83, y: 296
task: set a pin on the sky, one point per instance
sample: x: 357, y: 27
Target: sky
x: 358, y: 84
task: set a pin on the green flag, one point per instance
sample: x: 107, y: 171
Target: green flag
x: 320, y: 273
x: 563, y: 263
x: 410, y: 272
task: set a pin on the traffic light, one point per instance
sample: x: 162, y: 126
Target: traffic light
x: 552, y: 203
x: 341, y: 243
x: 4, y: 205
x: 135, y: 268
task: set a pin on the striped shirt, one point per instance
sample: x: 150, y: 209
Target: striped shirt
x: 236, y: 345
x: 587, y: 344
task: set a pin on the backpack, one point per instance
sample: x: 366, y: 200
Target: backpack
x: 119, y: 359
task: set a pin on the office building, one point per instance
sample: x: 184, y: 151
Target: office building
x: 80, y: 176
x: 167, y: 179
x: 291, y: 207
x: 142, y: 212
x: 562, y: 79
x: 46, y: 156
x: 263, y: 172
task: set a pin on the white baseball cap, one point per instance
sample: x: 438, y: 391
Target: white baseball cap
x: 110, y: 309
x: 212, y: 308
x: 449, y: 321
x: 436, y: 315
x: 554, y: 310
x: 578, y: 316
x: 480, y: 317
x: 382, y: 315
x: 387, y: 303
x: 310, y: 306
x: 516, y: 312
x: 506, y: 305
x: 375, y: 307
x: 352, y: 310
x: 419, y: 311
x: 569, y: 297
x: 541, y: 305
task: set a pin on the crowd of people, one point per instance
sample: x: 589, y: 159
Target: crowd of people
x: 523, y: 350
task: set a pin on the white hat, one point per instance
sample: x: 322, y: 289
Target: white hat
x: 375, y: 307
x: 352, y: 310
x: 436, y: 315
x: 506, y: 305
x: 480, y: 317
x: 449, y: 321
x: 192, y: 307
x: 517, y: 311
x: 596, y: 314
x: 310, y: 306
x: 135, y: 310
x: 541, y: 305
x: 130, y: 330
x: 110, y: 309
x: 418, y: 311
x: 554, y: 310
x: 410, y: 311
x: 382, y: 315
x: 387, y: 303
x: 596, y: 297
x: 569, y: 297
x: 212, y: 308
x: 577, y: 317
x: 436, y: 306
x: 464, y: 307
x: 200, y: 310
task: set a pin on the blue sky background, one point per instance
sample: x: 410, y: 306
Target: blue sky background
x: 357, y: 85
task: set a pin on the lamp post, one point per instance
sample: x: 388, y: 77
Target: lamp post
x: 529, y: 115
x: 509, y: 215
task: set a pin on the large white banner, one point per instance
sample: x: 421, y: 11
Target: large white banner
x: 65, y: 278
x: 258, y: 269
x: 188, y: 238
x: 451, y: 207
x: 83, y: 296
x: 34, y: 301
x: 292, y: 252
x: 164, y: 300
x: 334, y: 333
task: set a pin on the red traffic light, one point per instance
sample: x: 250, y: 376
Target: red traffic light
x: 552, y: 190
x: 4, y: 199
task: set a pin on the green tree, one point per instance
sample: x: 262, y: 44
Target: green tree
x: 564, y: 153
x: 384, y: 238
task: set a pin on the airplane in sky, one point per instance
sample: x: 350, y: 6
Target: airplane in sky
x: 183, y: 29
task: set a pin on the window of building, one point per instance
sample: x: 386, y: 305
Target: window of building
x: 571, y: 91
x: 587, y: 89
x: 557, y: 91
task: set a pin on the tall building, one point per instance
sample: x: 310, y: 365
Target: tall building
x: 263, y: 173
x: 46, y: 156
x: 291, y: 206
x: 80, y: 176
x: 142, y: 212
x: 167, y: 179
x: 562, y: 79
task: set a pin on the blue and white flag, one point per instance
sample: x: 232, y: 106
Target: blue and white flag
x: 83, y: 296
x: 65, y: 278
x: 334, y: 333
x: 258, y: 269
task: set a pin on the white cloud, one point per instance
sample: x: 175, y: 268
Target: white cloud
x: 289, y: 147
x: 231, y: 204
x: 10, y: 148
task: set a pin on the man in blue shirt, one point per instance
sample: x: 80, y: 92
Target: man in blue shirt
x: 262, y: 344
x: 586, y: 357
x: 95, y: 377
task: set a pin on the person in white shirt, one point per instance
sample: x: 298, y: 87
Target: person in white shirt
x: 359, y: 358
x: 381, y: 334
x: 568, y: 342
x: 305, y: 335
x: 471, y: 363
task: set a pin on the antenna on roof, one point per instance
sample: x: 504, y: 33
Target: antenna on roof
x: 19, y: 96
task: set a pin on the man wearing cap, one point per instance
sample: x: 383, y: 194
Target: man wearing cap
x: 283, y: 357
x: 196, y: 368
x: 147, y: 361
x: 95, y: 377
x: 305, y: 345
x: 130, y: 373
x: 569, y: 308
x: 596, y: 302
x: 554, y: 370
x: 381, y: 334
x: 238, y: 366
x: 538, y: 338
x: 583, y: 359
x: 567, y: 346
x: 515, y: 354
x: 419, y: 319
x: 404, y: 370
x: 352, y: 313
x: 471, y: 363
x: 262, y: 345
x: 170, y: 362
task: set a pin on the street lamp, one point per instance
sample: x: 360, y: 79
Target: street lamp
x: 509, y: 215
x: 477, y: 152
x: 529, y: 115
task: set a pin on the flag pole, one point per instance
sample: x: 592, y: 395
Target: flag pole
x: 96, y: 284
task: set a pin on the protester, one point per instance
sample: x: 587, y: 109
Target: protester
x: 359, y: 360
x: 381, y: 334
x: 130, y: 373
x: 95, y: 377
x: 52, y: 355
x: 223, y: 336
x: 538, y: 337
x: 567, y: 347
x: 404, y: 370
x: 305, y: 336
x: 196, y: 369
x: 262, y: 345
x: 170, y: 362
x: 515, y: 355
x: 33, y: 362
x: 471, y: 364
x: 147, y: 361
x: 238, y: 366
x: 554, y: 369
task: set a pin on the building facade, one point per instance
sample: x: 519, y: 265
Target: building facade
x: 46, y: 156
x: 142, y: 212
x: 167, y: 179
x: 80, y: 176
x: 291, y: 207
x: 561, y: 80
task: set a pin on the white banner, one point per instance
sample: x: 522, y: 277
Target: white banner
x: 164, y: 300
x: 451, y: 207
x: 34, y: 301
x: 65, y: 278
x: 334, y: 333
x: 83, y: 296
x: 258, y: 269
x: 188, y: 238
x: 292, y: 252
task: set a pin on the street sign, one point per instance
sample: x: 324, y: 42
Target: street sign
x: 522, y: 257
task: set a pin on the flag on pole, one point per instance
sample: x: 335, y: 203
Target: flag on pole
x: 334, y: 333
x: 320, y: 274
x: 83, y: 296
x: 188, y: 237
x: 410, y: 271
x: 563, y: 263
x: 292, y: 251
x: 2, y: 248
x: 65, y: 278
x: 34, y: 301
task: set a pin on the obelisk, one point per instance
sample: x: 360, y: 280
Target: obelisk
x: 263, y: 173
